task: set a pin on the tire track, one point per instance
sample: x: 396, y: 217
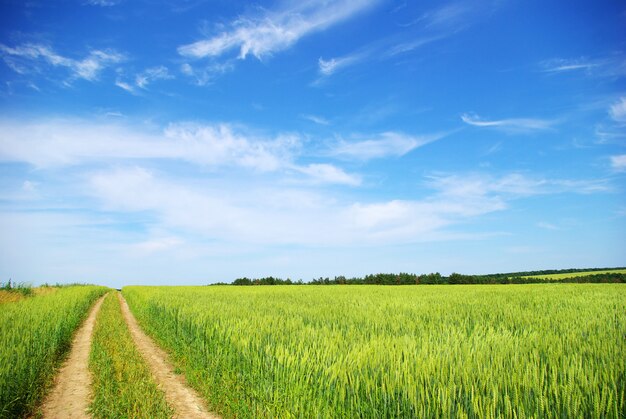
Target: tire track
x: 184, y: 400
x: 71, y: 393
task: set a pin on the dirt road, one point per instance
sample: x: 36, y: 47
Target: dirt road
x: 71, y: 394
x: 184, y: 400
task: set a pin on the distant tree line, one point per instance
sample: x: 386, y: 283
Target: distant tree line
x: 436, y: 278
x: 268, y: 280
x: 554, y: 271
x: 456, y: 278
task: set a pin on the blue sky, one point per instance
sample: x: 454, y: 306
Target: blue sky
x: 188, y: 142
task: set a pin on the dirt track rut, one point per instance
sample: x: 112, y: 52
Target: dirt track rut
x: 184, y: 400
x: 71, y: 394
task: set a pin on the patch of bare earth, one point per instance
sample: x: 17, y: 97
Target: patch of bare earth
x: 71, y: 394
x: 10, y: 297
x: 184, y: 400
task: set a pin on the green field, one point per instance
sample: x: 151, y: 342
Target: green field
x: 576, y: 274
x: 122, y: 383
x: 368, y: 351
x: 35, y: 334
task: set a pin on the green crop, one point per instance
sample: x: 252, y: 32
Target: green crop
x: 577, y: 274
x: 548, y: 351
x: 35, y: 334
x: 122, y: 383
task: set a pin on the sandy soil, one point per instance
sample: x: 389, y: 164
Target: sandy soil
x: 184, y: 400
x: 71, y: 394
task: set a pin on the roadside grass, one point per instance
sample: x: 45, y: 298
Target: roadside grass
x: 10, y: 297
x: 11, y: 291
x: 35, y: 335
x: 122, y: 383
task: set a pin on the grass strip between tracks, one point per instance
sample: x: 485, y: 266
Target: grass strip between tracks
x: 122, y: 383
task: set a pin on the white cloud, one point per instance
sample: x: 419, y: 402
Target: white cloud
x: 219, y: 145
x: 206, y: 214
x: 329, y: 67
x: 618, y: 162
x: 387, y: 144
x: 242, y: 215
x: 59, y: 143
x: 454, y: 15
x: 327, y: 173
x: 103, y: 3
x: 28, y: 57
x: 143, y: 79
x: 275, y: 31
x: 316, y: 119
x: 408, y: 46
x: 617, y: 111
x: 254, y: 214
x: 513, y: 185
x: 70, y: 142
x: 123, y: 85
x: 435, y: 25
x: 151, y: 74
x: 511, y: 125
x: 559, y: 65
x: 547, y: 226
x: 207, y: 74
x: 29, y: 186
x: 608, y: 65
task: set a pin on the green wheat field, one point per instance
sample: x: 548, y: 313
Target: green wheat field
x: 439, y: 351
x: 362, y: 351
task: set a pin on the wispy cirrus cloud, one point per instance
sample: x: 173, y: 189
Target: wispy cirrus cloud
x: 386, y: 144
x: 559, y: 65
x: 617, y: 110
x: 330, y: 66
x: 206, y: 74
x: 316, y: 119
x: 609, y: 65
x: 103, y: 3
x: 510, y: 124
x: 449, y: 16
x: 144, y: 78
x: 618, y: 163
x: 126, y: 86
x: 411, y: 45
x: 31, y: 57
x: 152, y: 74
x: 327, y: 173
x: 433, y: 25
x: 274, y: 31
x: 547, y: 226
x: 512, y: 185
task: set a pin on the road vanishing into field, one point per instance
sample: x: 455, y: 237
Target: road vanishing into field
x: 71, y: 393
x: 183, y: 399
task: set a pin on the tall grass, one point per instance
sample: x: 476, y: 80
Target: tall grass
x: 122, y: 384
x: 549, y: 351
x: 20, y: 288
x: 35, y: 334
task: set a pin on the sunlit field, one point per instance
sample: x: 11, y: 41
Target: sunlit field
x: 577, y: 274
x: 35, y: 336
x: 549, y: 350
